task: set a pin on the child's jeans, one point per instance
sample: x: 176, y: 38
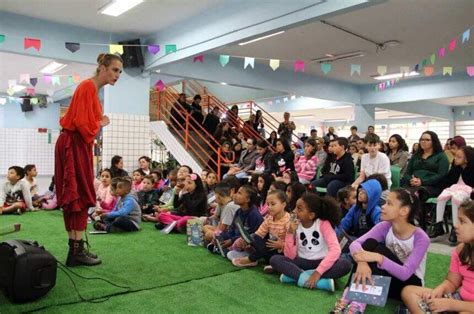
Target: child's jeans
x: 121, y: 224
x: 294, y: 267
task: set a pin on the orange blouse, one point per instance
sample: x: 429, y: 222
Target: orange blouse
x: 85, y: 112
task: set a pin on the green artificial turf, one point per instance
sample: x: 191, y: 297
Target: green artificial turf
x: 166, y: 275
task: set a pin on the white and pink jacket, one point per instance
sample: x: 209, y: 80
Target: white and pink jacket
x: 305, y: 168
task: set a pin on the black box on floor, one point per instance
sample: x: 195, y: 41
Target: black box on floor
x: 27, y: 270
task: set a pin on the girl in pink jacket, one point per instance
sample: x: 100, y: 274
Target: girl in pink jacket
x: 306, y: 165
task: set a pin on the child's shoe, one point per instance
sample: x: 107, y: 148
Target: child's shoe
x: 286, y: 279
x: 322, y: 284
x: 356, y: 308
x: 268, y: 269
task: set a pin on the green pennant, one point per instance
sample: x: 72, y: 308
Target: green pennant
x: 433, y: 58
x: 424, y: 63
x: 170, y: 49
x: 2, y: 38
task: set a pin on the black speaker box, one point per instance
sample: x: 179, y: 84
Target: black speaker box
x: 27, y: 270
x: 26, y: 104
x: 132, y: 54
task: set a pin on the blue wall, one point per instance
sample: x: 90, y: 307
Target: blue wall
x: 14, y: 118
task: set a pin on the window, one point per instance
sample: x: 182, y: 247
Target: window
x: 466, y: 130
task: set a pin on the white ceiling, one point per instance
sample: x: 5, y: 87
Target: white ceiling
x: 13, y: 65
x: 422, y: 27
x: 146, y: 18
x: 456, y: 101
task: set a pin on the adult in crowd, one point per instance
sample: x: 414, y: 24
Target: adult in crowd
x: 283, y: 159
x: 426, y: 167
x: 144, y: 164
x: 246, y: 162
x: 74, y: 168
x: 116, y: 167
x: 273, y: 138
x: 212, y: 120
x: 258, y: 125
x: 370, y: 130
x: 354, y: 137
x: 180, y: 106
x: 223, y: 132
x: 286, y: 128
x: 196, y: 109
x: 398, y: 152
x: 330, y: 136
x: 321, y: 154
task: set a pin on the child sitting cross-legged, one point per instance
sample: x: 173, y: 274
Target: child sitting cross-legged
x: 30, y: 180
x: 15, y: 195
x: 269, y: 239
x: 166, y: 200
x: 394, y: 247
x: 346, y: 197
x: 137, y: 177
x: 126, y: 215
x: 148, y: 196
x: 293, y: 192
x: 456, y: 292
x: 312, y: 252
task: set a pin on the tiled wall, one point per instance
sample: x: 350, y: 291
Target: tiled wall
x: 19, y: 147
x: 128, y: 136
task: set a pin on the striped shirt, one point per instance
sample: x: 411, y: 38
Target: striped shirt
x: 274, y: 228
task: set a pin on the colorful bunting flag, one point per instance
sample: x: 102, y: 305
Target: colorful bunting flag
x: 441, y: 52
x: 355, y: 68
x: 404, y: 70
x: 153, y: 49
x: 199, y: 58
x: 30, y: 91
x: 433, y: 58
x: 34, y: 101
x: 48, y: 79
x: 424, y: 63
x: 70, y: 81
x: 11, y: 83
x: 470, y: 70
x: 277, y: 101
x: 417, y: 68
x: 299, y: 66
x: 285, y: 99
x: 224, y: 59
x: 270, y: 102
x: 293, y: 97
x: 274, y: 64
x: 382, y: 69
x: 56, y: 80
x: 76, y: 78
x: 428, y: 71
x: 25, y: 78
x: 10, y: 91
x: 170, y: 49
x: 11, y: 99
x: 113, y: 49
x: 32, y: 43
x: 49, y: 100
x: 2, y: 38
x: 448, y: 71
x: 50, y: 92
x: 72, y: 47
x: 160, y: 86
x: 33, y: 81
x: 465, y: 36
x: 3, y: 101
x: 249, y: 62
x: 452, y: 45
x: 326, y: 67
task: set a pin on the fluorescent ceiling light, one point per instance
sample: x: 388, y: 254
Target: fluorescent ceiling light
x: 260, y: 38
x: 118, y: 7
x: 223, y: 83
x: 330, y: 57
x: 337, y: 107
x: 18, y: 88
x: 404, y: 117
x: 381, y: 111
x: 303, y: 117
x: 53, y: 67
x: 395, y: 75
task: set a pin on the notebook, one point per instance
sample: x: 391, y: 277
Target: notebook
x: 374, y: 295
x: 194, y: 232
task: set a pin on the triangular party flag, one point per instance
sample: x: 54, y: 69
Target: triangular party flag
x: 382, y: 69
x: 50, y: 92
x: 2, y: 38
x: 404, y: 70
x: 32, y: 42
x: 270, y: 102
x: 424, y: 63
x: 277, y: 101
x: 293, y: 97
x: 34, y: 101
x: 34, y: 81
x: 10, y: 91
x: 48, y: 79
x: 452, y: 45
x: 299, y: 66
x: 326, y: 67
x: 72, y: 47
x: 199, y: 58
x: 76, y: 78
x: 274, y: 64
x: 49, y: 100
x: 153, y: 49
x: 470, y: 70
x: 68, y: 90
x: 11, y: 83
x: 388, y: 84
x: 249, y: 62
x: 70, y: 81
x: 11, y: 99
x: 25, y: 78
x: 224, y: 59
x: 433, y: 58
x: 30, y: 91
x: 448, y: 71
x: 441, y: 52
x: 417, y: 67
x: 428, y: 71
x: 56, y: 80
x: 465, y: 36
x: 170, y: 49
x: 160, y: 86
x: 3, y: 101
x: 285, y: 99
x: 355, y: 68
x: 113, y: 49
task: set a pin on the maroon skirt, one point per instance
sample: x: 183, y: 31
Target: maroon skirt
x: 74, y: 179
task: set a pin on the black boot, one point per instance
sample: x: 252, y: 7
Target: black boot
x: 87, y: 247
x: 77, y: 255
x: 453, y: 239
x: 436, y: 230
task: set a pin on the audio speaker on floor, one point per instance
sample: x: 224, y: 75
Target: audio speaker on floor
x: 27, y: 270
x: 132, y: 54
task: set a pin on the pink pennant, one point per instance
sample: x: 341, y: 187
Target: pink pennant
x: 442, y: 52
x: 48, y: 79
x: 199, y: 58
x: 32, y: 42
x: 160, y: 86
x: 452, y: 45
x: 154, y: 49
x: 76, y: 78
x: 30, y: 91
x: 470, y: 70
x: 299, y: 66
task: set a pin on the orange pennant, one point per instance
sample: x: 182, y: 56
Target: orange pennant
x: 428, y: 71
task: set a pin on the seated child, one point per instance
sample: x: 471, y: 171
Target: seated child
x: 383, y: 184
x: 288, y: 176
x: 346, y: 197
x: 166, y: 200
x: 224, y: 214
x: 210, y: 183
x: 365, y: 213
x: 456, y: 292
x: 148, y: 196
x: 312, y: 252
x: 30, y: 181
x: 126, y: 216
x: 293, y: 193
x: 106, y: 201
x: 395, y: 248
x: 269, y: 239
x: 247, y: 214
x: 15, y: 195
x: 49, y: 200
x: 204, y: 173
x: 192, y: 203
x: 157, y: 178
x: 137, y: 178
x: 263, y: 186
x: 306, y: 165
x: 277, y: 185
